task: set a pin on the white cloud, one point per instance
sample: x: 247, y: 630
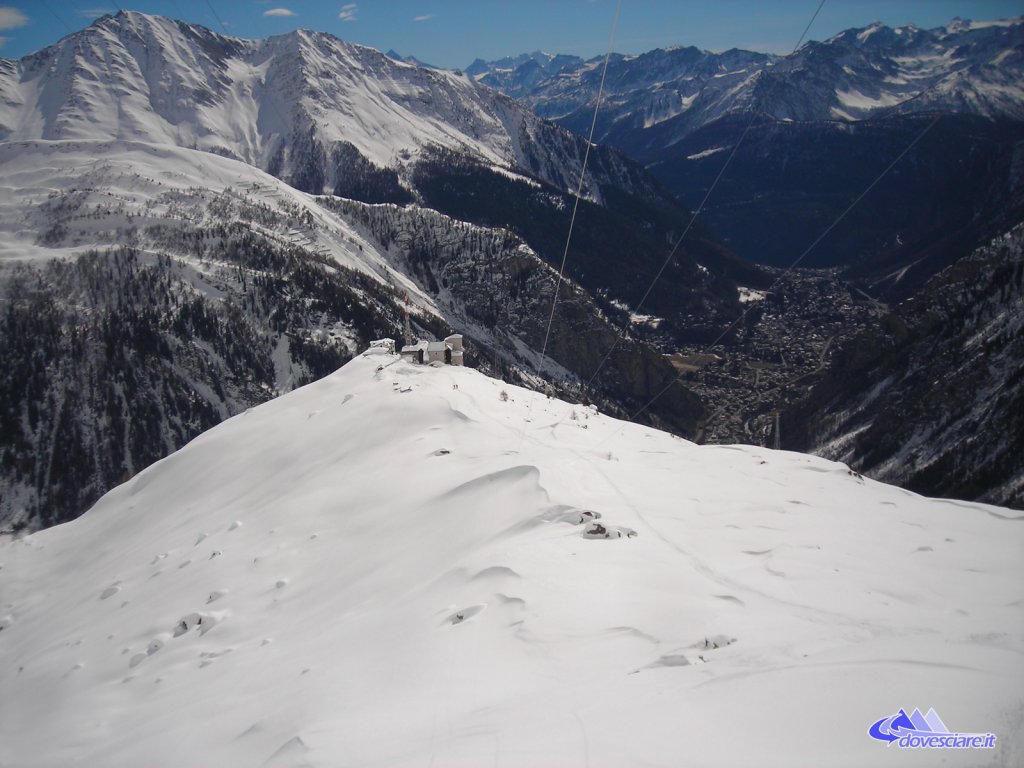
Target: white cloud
x: 348, y: 12
x: 278, y: 12
x: 424, y: 17
x: 11, y: 18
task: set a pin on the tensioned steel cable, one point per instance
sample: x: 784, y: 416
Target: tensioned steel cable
x: 796, y: 262
x: 696, y: 212
x: 583, y: 173
x: 576, y: 204
x: 58, y: 18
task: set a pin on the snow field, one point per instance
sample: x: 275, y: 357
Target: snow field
x: 382, y: 569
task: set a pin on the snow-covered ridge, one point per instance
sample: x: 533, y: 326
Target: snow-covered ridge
x: 964, y: 67
x: 123, y: 187
x: 400, y: 565
x: 279, y: 104
x: 290, y: 285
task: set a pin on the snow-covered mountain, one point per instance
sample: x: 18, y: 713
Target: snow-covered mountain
x: 191, y: 286
x: 247, y: 213
x: 402, y: 565
x: 328, y: 116
x: 291, y: 105
x: 827, y: 120
x: 640, y: 91
x: 393, y: 54
x: 966, y: 67
x: 933, y: 399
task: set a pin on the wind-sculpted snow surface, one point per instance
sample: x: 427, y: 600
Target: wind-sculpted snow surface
x: 392, y: 566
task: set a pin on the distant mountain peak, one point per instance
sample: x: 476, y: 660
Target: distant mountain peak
x: 963, y: 67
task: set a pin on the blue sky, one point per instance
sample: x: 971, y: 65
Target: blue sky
x: 451, y: 33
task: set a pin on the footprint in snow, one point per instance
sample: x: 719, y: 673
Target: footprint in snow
x: 203, y: 621
x: 466, y: 613
x: 154, y: 646
x: 208, y: 657
x: 110, y: 591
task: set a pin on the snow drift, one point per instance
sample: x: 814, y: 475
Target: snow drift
x: 404, y: 565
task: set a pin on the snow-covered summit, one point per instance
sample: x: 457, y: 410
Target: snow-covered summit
x: 965, y: 67
x: 286, y: 102
x: 405, y: 565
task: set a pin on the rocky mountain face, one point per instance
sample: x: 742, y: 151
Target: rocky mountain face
x: 926, y: 394
x: 330, y: 117
x: 233, y: 219
x: 829, y: 119
x: 198, y: 287
x: 934, y: 399
x: 959, y: 186
x: 965, y: 67
x: 306, y: 107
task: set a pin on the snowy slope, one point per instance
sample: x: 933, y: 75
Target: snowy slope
x: 390, y: 567
x: 286, y: 104
x: 234, y: 287
x: 183, y: 84
x: 60, y: 198
x: 112, y: 185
